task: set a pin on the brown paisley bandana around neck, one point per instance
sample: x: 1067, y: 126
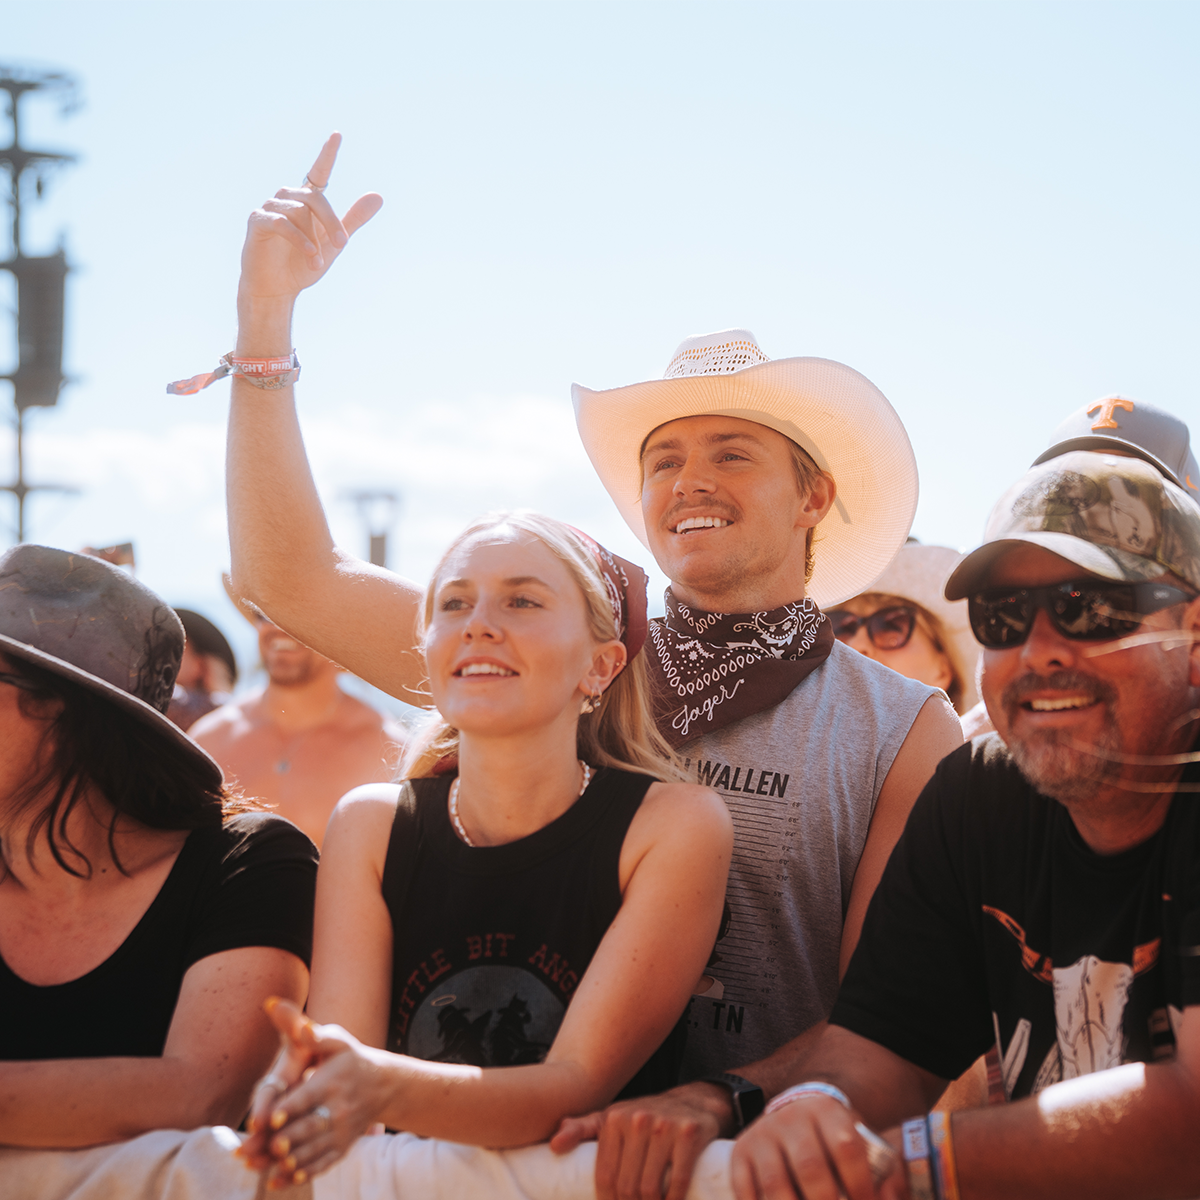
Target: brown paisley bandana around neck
x: 708, y: 670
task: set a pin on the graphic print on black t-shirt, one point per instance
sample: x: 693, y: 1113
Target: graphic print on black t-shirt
x: 487, y: 1015
x: 996, y: 924
x: 1095, y: 1024
x: 485, y: 965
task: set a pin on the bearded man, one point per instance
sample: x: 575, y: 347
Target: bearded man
x: 1045, y: 895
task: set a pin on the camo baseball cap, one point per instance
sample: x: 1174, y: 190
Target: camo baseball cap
x: 1114, y: 516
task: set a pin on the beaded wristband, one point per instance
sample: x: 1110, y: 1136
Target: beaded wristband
x: 814, y: 1088
x: 941, y: 1145
x: 271, y: 374
x: 915, y: 1140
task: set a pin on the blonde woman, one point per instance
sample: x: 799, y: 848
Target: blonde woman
x: 509, y: 936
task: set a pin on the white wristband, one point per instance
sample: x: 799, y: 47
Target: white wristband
x: 814, y: 1088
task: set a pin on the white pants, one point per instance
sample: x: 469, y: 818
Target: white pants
x: 170, y: 1165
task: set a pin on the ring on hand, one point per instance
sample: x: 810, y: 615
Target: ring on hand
x: 273, y: 1081
x: 326, y: 1117
x: 316, y: 187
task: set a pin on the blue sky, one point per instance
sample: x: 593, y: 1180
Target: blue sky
x: 988, y: 209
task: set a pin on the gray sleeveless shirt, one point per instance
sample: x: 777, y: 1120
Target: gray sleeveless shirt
x: 801, y: 780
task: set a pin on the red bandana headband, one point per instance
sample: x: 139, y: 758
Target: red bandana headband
x: 626, y: 586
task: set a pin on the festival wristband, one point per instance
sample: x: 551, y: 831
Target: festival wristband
x: 914, y: 1137
x: 814, y: 1088
x: 941, y: 1145
x: 270, y: 374
x: 881, y: 1158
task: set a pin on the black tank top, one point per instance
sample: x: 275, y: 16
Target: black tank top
x: 490, y: 942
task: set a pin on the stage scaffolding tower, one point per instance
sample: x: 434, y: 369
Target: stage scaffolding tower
x: 41, y: 280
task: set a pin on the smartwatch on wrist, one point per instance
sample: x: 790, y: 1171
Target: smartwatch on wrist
x: 745, y: 1098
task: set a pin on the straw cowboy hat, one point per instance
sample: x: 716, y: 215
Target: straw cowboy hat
x: 96, y: 625
x: 838, y: 416
x: 919, y: 573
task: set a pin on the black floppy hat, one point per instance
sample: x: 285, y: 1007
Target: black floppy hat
x: 205, y: 638
x: 96, y: 625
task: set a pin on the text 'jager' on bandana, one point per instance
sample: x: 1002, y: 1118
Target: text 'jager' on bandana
x: 708, y: 670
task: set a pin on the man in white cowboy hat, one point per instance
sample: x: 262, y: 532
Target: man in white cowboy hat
x: 765, y: 489
x: 1045, y: 896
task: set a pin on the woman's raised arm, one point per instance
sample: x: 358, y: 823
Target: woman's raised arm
x: 284, y: 559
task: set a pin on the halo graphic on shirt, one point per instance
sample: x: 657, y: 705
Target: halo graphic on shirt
x: 487, y: 1016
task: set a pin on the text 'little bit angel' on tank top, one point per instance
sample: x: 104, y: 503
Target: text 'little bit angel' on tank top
x: 491, y: 942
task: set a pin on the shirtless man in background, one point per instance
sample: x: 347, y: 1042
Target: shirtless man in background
x: 301, y: 742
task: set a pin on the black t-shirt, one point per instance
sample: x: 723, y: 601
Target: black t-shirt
x: 248, y: 882
x: 995, y: 924
x: 490, y: 942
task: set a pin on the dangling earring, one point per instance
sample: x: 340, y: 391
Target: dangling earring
x: 590, y: 702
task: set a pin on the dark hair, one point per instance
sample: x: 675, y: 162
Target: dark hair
x: 91, y: 742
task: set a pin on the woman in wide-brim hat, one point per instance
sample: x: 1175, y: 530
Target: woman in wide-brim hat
x: 906, y: 623
x: 145, y: 913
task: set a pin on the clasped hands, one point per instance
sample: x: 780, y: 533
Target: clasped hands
x: 809, y: 1150
x: 321, y: 1094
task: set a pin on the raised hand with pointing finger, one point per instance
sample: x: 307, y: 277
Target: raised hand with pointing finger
x: 293, y: 239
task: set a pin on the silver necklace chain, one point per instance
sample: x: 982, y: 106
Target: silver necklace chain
x: 458, y: 825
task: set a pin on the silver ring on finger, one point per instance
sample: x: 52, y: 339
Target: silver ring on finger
x: 316, y: 187
x: 326, y: 1117
x: 275, y: 1083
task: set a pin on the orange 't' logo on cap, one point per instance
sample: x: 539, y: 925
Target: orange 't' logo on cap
x: 1106, y: 408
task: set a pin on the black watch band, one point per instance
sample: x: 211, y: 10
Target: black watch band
x: 746, y: 1098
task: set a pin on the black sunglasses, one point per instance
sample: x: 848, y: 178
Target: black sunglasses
x: 888, y: 629
x: 1081, y: 609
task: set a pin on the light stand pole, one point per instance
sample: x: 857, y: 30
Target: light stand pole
x: 377, y: 510
x: 41, y: 281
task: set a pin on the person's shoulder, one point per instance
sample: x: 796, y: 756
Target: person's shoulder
x: 222, y: 724
x: 357, y: 716
x: 364, y: 813
x: 248, y: 839
x: 981, y: 782
x: 879, y: 680
x: 688, y: 805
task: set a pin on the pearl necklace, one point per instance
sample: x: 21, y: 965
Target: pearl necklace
x: 458, y: 825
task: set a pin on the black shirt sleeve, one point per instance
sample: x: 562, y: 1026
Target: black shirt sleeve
x: 248, y: 882
x: 916, y: 983
x: 259, y: 892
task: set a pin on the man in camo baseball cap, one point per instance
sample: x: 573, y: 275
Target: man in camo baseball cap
x: 1114, y: 516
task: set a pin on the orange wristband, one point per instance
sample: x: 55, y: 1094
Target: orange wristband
x: 271, y: 374
x: 941, y: 1144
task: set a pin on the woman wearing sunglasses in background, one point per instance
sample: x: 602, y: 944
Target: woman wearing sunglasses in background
x: 905, y: 623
